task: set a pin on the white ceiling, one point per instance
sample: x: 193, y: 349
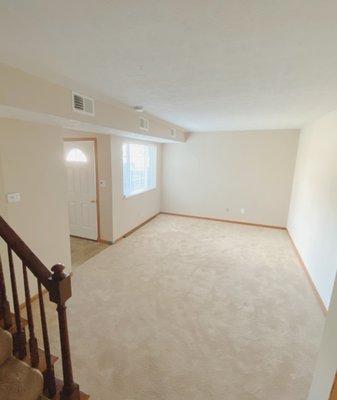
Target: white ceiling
x: 205, y: 65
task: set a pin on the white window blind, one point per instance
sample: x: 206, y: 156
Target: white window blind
x: 139, y: 168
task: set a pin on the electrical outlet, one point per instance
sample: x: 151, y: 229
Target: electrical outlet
x: 242, y: 210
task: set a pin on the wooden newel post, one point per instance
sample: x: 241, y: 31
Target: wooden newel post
x: 60, y: 293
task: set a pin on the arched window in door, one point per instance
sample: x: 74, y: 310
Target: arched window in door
x: 76, y: 155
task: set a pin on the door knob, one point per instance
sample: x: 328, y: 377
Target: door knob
x: 92, y: 201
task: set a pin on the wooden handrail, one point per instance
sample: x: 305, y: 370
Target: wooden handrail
x: 28, y: 258
x: 58, y: 284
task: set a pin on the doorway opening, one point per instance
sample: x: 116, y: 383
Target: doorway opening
x: 80, y: 155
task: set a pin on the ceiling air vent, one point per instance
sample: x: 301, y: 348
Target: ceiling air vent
x: 83, y: 104
x: 144, y: 124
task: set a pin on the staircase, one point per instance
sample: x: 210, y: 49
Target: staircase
x: 26, y: 366
x: 18, y: 381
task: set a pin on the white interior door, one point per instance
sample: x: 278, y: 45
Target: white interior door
x: 81, y: 175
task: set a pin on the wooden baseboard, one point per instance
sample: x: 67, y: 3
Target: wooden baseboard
x: 333, y: 393
x: 225, y: 220
x: 99, y: 240
x: 136, y: 228
x: 80, y: 237
x: 193, y: 216
x: 317, y: 295
x: 104, y: 241
x: 305, y: 269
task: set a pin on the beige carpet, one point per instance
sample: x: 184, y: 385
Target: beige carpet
x: 187, y: 309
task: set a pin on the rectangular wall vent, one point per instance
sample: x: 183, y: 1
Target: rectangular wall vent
x: 83, y: 104
x: 144, y: 124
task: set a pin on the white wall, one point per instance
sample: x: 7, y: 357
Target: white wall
x: 327, y: 359
x: 32, y: 161
x: 130, y: 212
x: 313, y: 210
x: 32, y: 164
x: 28, y: 97
x: 215, y: 171
x: 313, y: 226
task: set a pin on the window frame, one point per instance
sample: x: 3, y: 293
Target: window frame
x: 155, y: 159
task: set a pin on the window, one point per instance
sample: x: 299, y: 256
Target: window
x: 76, y: 155
x: 139, y: 168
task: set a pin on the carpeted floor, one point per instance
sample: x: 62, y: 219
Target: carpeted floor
x: 188, y: 309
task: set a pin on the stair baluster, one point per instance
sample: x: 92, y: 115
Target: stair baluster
x: 58, y: 285
x: 5, y: 314
x: 19, y: 337
x: 33, y: 348
x: 50, y: 384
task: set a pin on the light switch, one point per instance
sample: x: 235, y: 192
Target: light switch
x: 13, y: 197
x: 102, y: 183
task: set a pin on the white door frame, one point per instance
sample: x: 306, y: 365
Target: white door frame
x: 91, y: 139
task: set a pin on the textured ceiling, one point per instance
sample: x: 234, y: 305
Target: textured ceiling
x: 204, y: 65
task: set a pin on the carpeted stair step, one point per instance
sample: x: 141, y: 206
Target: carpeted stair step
x: 18, y: 381
x: 24, y: 323
x: 42, y: 367
x: 5, y: 346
